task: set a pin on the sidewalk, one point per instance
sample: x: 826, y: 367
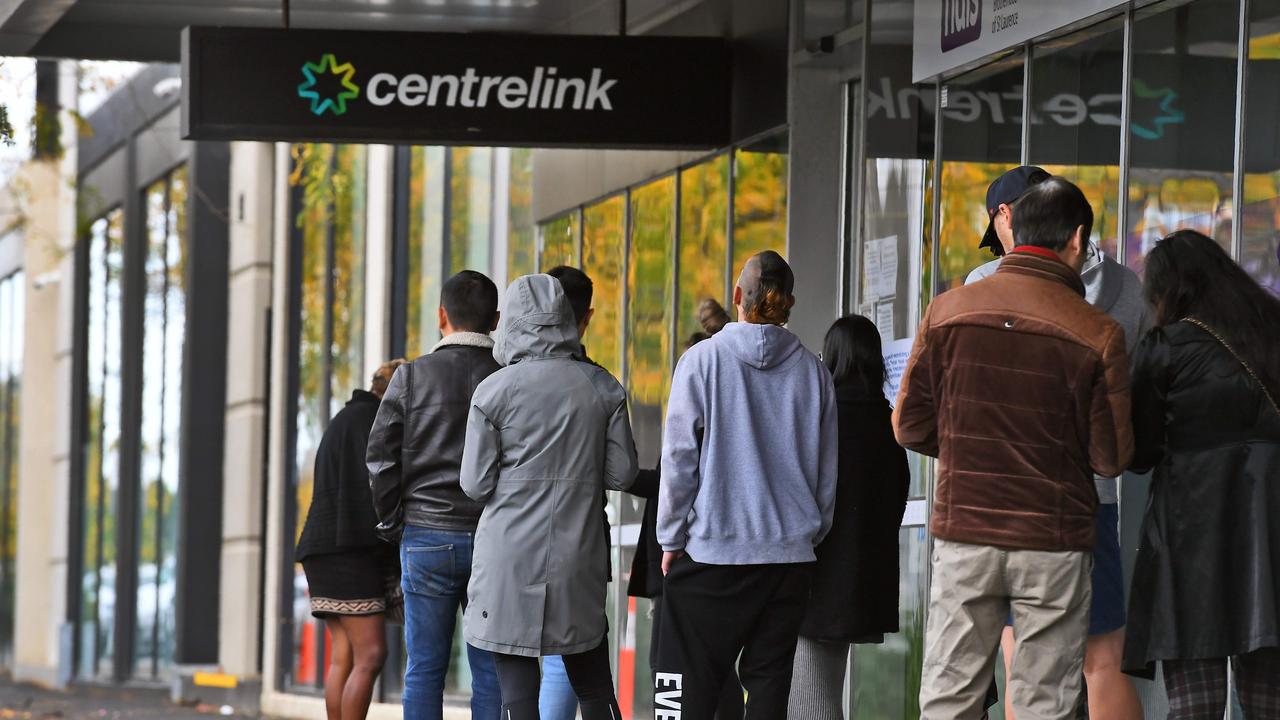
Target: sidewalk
x: 28, y: 702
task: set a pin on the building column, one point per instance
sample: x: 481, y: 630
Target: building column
x: 42, y: 635
x: 244, y: 462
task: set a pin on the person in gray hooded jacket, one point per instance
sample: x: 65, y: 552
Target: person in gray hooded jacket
x: 545, y: 436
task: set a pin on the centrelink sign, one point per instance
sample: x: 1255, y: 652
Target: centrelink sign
x: 445, y: 88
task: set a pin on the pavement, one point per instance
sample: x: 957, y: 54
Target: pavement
x: 28, y: 702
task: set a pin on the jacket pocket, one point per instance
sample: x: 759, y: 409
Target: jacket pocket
x: 431, y: 571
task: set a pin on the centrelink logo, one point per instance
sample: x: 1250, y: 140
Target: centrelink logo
x: 544, y: 89
x: 328, y: 66
x: 961, y: 23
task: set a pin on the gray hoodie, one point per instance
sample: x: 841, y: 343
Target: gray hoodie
x: 1115, y: 290
x: 545, y: 436
x: 749, y: 451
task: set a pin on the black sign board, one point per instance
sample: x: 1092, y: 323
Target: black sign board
x: 450, y: 88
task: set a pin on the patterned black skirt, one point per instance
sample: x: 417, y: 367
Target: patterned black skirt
x: 359, y: 582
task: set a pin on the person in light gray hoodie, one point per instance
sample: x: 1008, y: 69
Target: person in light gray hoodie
x: 749, y: 469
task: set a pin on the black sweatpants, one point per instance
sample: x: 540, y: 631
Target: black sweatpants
x: 520, y: 678
x: 730, y: 707
x: 711, y: 614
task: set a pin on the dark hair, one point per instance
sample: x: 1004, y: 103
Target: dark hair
x: 767, y: 284
x: 577, y: 288
x: 470, y: 300
x: 853, y: 354
x: 1048, y: 214
x: 1189, y: 274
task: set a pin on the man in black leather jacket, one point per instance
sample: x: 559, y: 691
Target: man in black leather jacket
x: 414, y: 459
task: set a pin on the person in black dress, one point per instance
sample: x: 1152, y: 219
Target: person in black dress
x: 1206, y: 583
x: 349, y: 570
x: 854, y: 597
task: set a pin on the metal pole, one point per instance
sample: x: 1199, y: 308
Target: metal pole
x: 1238, y: 174
x: 1027, y: 113
x: 284, y: 11
x: 1126, y: 92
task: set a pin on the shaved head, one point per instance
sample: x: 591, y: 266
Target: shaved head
x: 765, y: 290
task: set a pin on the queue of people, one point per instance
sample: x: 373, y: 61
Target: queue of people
x: 769, y: 542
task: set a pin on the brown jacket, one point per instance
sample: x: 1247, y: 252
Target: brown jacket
x: 1021, y: 389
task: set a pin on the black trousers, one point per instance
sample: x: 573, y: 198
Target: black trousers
x: 713, y: 615
x: 520, y: 677
x: 730, y: 707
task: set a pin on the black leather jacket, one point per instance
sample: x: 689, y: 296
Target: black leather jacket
x: 415, y: 448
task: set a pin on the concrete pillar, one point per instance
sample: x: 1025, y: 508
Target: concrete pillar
x: 41, y: 634
x: 244, y: 476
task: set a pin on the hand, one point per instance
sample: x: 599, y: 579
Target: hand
x: 668, y: 558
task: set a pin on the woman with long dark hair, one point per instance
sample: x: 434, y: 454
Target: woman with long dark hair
x: 1206, y: 586
x: 854, y: 596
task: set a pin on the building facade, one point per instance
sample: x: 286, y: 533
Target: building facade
x: 197, y: 311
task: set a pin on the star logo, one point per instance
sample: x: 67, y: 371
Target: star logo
x: 328, y: 66
x: 1168, y: 114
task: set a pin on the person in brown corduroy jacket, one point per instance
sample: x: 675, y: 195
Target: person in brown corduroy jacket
x: 1021, y: 389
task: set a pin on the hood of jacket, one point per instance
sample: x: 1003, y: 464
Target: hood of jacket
x: 537, y: 322
x: 761, y: 346
x: 1103, y: 280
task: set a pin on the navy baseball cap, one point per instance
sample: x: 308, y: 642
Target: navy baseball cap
x: 1005, y: 191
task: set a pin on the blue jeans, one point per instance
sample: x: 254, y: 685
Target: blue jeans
x: 436, y: 566
x: 556, y: 699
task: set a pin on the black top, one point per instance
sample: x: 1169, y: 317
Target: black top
x: 341, y: 516
x: 415, y: 450
x: 1206, y: 583
x: 855, y: 583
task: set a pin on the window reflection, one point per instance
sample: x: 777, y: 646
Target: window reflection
x: 471, y: 209
x: 426, y: 247
x: 522, y: 245
x: 704, y: 247
x: 560, y: 242
x: 164, y: 309
x: 102, y: 440
x: 1076, y: 93
x: 982, y: 139
x: 602, y: 256
x: 1183, y: 129
x: 1260, y: 254
x: 759, y: 200
x: 12, y: 325
x: 886, y: 677
x: 330, y: 219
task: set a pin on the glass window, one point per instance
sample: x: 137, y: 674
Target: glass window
x: 1182, y: 130
x: 470, y: 209
x: 164, y: 309
x: 650, y: 289
x: 426, y: 270
x: 759, y: 200
x: 603, y: 250
x: 12, y: 325
x: 981, y: 140
x: 560, y: 242
x: 886, y: 677
x: 704, y: 247
x: 1076, y: 96
x: 330, y: 354
x: 522, y: 244
x: 102, y: 441
x: 1260, y: 254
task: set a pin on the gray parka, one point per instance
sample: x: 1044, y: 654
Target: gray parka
x: 545, y: 435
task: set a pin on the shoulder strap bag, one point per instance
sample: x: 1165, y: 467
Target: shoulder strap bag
x: 1205, y: 327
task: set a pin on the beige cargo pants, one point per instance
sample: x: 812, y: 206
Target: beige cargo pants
x: 973, y: 589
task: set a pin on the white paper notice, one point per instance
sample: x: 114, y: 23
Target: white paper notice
x: 880, y: 268
x: 884, y: 321
x: 896, y: 354
x: 889, y: 266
